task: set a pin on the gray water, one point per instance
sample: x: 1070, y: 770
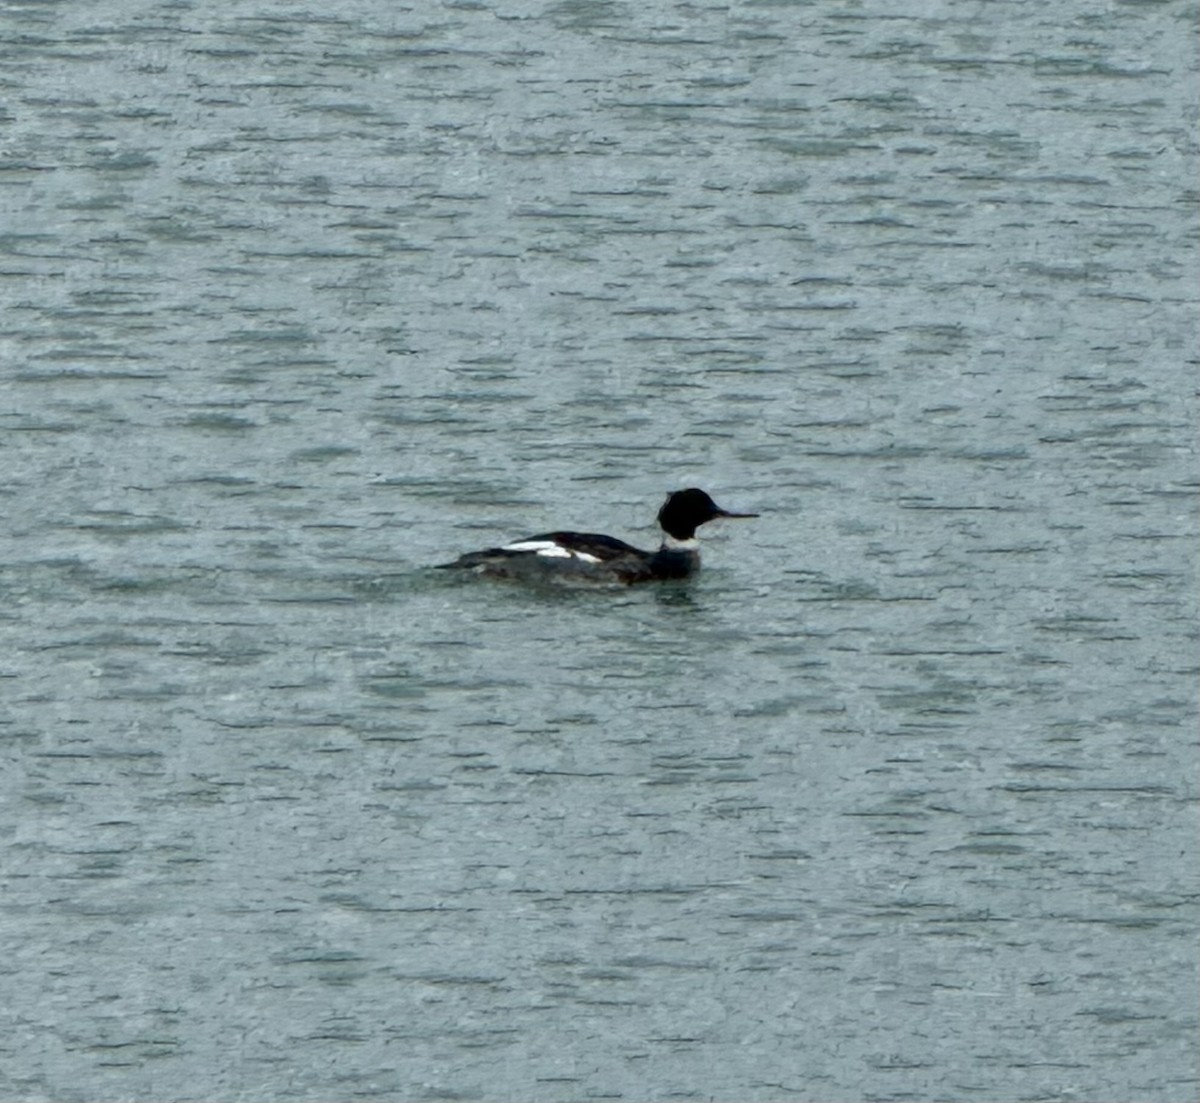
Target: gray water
x: 895, y: 801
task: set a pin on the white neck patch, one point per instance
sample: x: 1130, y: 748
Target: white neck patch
x: 672, y: 544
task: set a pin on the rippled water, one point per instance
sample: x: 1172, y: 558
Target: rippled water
x: 895, y: 801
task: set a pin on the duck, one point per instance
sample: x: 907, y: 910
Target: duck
x: 592, y: 557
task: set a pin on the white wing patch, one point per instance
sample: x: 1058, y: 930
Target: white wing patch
x: 550, y: 550
x: 542, y: 547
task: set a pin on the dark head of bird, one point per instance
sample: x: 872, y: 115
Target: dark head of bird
x: 684, y: 511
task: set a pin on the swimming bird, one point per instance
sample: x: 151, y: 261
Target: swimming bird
x: 590, y: 557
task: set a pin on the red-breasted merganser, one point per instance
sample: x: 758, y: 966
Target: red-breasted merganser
x: 587, y: 556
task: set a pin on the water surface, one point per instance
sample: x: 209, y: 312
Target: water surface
x: 896, y: 801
